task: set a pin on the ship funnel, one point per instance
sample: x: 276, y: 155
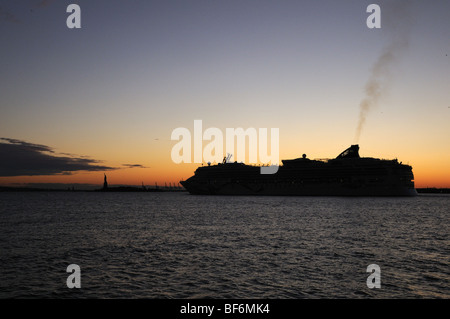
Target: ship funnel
x: 351, y: 152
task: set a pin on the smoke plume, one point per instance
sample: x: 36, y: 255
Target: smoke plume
x: 396, y: 22
x: 5, y: 15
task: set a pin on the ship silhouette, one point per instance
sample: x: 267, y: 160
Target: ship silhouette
x: 346, y: 175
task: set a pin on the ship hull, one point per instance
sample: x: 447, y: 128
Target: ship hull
x: 297, y: 190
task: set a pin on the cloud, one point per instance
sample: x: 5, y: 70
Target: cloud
x: 134, y: 166
x: 7, y: 15
x: 44, y: 3
x: 20, y: 158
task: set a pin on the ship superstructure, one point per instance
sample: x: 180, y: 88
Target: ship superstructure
x: 346, y: 175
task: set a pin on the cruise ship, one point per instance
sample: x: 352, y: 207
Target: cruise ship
x: 346, y: 175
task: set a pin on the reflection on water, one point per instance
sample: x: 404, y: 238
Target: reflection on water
x: 175, y: 245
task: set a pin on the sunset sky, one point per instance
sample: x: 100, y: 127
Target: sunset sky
x: 105, y: 98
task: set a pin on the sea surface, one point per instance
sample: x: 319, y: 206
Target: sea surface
x: 176, y: 245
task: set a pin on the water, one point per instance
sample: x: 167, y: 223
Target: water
x: 175, y: 245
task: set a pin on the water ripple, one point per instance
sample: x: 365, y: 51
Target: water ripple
x: 133, y: 245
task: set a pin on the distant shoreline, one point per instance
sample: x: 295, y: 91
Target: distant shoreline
x: 99, y: 190
x: 429, y: 190
x: 433, y: 190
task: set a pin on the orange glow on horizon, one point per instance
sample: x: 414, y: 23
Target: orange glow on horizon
x: 425, y: 176
x: 433, y: 171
